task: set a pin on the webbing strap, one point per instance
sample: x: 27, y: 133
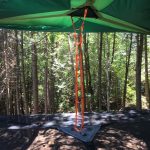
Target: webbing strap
x: 79, y: 66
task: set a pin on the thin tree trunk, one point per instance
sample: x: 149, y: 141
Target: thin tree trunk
x: 147, y: 90
x: 34, y: 77
x: 108, y: 73
x: 113, y: 49
x: 52, y: 77
x: 111, y: 82
x: 138, y: 70
x: 87, y: 104
x: 126, y: 73
x: 46, y: 87
x: 17, y: 73
x: 99, y: 87
x: 46, y: 78
x: 6, y: 73
x: 25, y: 101
x: 89, y: 89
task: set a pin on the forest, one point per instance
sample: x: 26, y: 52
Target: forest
x: 37, y: 71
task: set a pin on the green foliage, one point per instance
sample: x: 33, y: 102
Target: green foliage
x: 130, y: 94
x: 60, y: 67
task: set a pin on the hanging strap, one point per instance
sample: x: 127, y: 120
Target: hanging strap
x: 79, y: 64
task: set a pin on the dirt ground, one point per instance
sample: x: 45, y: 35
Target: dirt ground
x: 115, y: 136
x: 126, y: 136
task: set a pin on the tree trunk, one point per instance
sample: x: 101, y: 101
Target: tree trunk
x: 34, y: 77
x: 17, y: 73
x: 89, y: 89
x: 138, y: 70
x: 113, y: 49
x: 126, y: 73
x: 52, y: 77
x: 25, y: 101
x: 6, y: 74
x: 147, y: 90
x: 99, y: 84
x: 108, y: 73
x: 111, y: 73
x: 46, y: 77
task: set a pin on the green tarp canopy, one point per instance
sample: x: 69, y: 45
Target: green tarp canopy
x: 55, y: 15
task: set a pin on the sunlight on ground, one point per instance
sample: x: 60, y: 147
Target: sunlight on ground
x: 144, y: 103
x: 53, y: 139
x: 119, y: 139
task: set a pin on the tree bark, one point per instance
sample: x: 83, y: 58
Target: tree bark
x: 126, y: 73
x: 147, y: 90
x: 46, y: 77
x: 113, y: 49
x: 138, y: 70
x: 108, y: 73
x: 25, y: 101
x: 52, y: 77
x: 89, y: 88
x: 34, y: 76
x: 17, y: 73
x: 6, y: 74
x: 99, y: 87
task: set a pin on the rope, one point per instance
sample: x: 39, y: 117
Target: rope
x: 79, y: 65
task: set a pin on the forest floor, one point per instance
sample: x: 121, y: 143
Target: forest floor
x: 113, y: 136
x: 126, y: 136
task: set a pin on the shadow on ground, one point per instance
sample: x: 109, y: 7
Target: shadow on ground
x: 124, y: 136
x: 16, y: 139
x: 122, y: 130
